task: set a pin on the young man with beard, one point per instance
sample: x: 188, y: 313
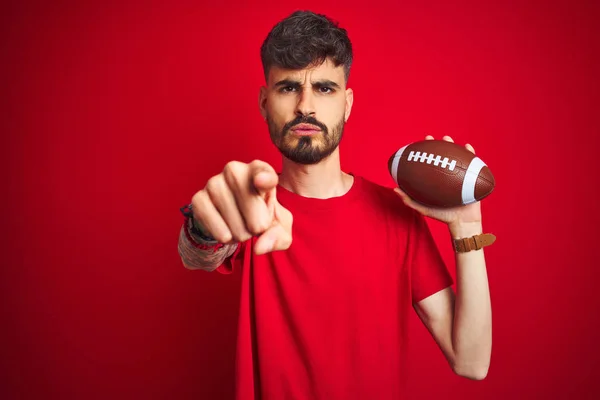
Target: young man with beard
x: 323, y: 316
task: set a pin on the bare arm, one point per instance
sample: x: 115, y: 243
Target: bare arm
x: 461, y: 324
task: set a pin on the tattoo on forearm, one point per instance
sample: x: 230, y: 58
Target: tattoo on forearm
x: 202, y: 254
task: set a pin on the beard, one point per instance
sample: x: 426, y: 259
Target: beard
x: 306, y: 149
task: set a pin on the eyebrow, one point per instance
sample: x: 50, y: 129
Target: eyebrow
x: 318, y: 84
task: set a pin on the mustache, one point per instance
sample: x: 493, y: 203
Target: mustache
x: 304, y: 120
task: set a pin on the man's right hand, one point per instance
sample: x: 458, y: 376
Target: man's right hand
x: 241, y: 202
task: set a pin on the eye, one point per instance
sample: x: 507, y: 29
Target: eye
x: 288, y: 89
x: 325, y: 89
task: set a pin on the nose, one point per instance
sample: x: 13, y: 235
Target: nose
x: 306, y: 105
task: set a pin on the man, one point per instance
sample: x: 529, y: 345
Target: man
x: 324, y: 304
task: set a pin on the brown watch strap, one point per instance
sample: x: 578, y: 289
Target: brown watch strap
x: 473, y: 243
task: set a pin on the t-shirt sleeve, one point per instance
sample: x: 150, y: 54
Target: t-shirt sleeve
x: 429, y: 273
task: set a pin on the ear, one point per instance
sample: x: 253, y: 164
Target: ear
x: 349, y: 102
x: 262, y: 102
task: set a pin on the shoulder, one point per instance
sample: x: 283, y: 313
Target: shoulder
x: 384, y: 198
x: 370, y: 186
x: 377, y: 192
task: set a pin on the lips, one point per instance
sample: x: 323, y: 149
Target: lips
x: 306, y: 129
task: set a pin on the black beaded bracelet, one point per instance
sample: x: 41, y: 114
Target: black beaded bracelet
x: 194, y: 229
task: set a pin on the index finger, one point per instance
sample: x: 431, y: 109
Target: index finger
x: 262, y: 177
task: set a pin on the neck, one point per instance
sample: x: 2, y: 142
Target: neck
x: 322, y: 181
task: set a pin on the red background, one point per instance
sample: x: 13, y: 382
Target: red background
x: 114, y: 115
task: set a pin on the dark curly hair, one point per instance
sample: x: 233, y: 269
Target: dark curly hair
x: 303, y: 39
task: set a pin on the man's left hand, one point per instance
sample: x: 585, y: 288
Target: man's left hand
x: 455, y: 217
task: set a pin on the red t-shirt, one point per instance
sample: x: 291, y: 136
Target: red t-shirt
x: 326, y: 319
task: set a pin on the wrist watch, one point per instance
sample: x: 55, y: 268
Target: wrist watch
x: 476, y: 242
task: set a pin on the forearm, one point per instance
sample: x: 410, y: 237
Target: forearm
x: 197, y: 253
x: 472, y: 328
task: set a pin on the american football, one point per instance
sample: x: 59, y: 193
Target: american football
x: 441, y: 174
